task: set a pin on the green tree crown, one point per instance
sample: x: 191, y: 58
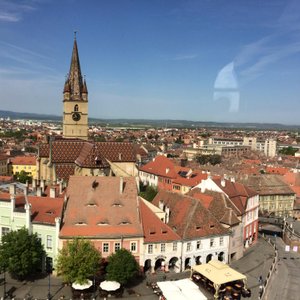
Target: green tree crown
x: 122, y: 266
x: 77, y: 261
x: 21, y: 253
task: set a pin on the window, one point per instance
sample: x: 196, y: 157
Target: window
x: 174, y: 246
x: 39, y: 237
x: 162, y: 247
x: 117, y: 246
x: 150, y: 248
x: 221, y: 241
x: 198, y: 245
x: 5, y: 230
x: 188, y: 246
x: 105, y: 247
x: 49, y: 242
x: 212, y: 242
x: 76, y: 107
x: 133, y: 247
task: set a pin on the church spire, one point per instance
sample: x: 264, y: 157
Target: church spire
x: 74, y: 79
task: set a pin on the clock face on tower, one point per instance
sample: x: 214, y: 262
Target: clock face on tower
x: 76, y: 116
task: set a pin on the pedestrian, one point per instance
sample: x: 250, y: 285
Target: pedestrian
x: 260, y: 280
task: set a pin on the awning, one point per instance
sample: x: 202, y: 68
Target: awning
x: 218, y: 272
x: 84, y: 286
x: 183, y: 289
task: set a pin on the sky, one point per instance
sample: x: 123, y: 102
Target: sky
x: 199, y: 60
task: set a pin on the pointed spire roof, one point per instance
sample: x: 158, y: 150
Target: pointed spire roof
x: 75, y: 81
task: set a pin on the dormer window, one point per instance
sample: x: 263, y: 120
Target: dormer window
x: 81, y: 223
x: 102, y: 223
x: 125, y: 222
x: 198, y: 227
x: 117, y: 204
x: 49, y: 212
x: 152, y: 231
x: 211, y: 226
x: 91, y: 204
x: 164, y: 231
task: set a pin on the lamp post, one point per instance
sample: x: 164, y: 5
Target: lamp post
x: 4, y: 284
x: 49, y: 271
x: 94, y: 296
x: 49, y: 294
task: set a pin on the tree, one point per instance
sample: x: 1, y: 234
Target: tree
x: 21, y: 253
x: 122, y: 266
x: 288, y: 151
x: 23, y: 177
x: 148, y: 193
x: 77, y: 261
x: 215, y: 159
x: 202, y: 159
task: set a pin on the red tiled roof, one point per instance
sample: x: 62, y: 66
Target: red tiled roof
x: 24, y: 160
x: 154, y: 229
x: 237, y: 192
x: 292, y: 178
x: 160, y: 166
x: 84, y: 152
x: 97, y: 208
x: 188, y: 217
x: 116, y: 151
x: 6, y: 178
x: 20, y: 199
x: 64, y: 171
x: 276, y: 170
x: 205, y: 199
x: 219, y: 205
x: 44, y: 210
x: 192, y: 180
x: 252, y: 161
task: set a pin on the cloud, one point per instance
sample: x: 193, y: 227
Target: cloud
x: 254, y: 58
x: 8, y: 17
x: 13, y: 11
x: 17, y: 61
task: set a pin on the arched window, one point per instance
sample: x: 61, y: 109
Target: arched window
x: 76, y: 107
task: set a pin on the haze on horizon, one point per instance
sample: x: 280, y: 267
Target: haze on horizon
x: 209, y: 60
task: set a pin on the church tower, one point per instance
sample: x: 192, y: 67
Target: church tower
x: 75, y: 102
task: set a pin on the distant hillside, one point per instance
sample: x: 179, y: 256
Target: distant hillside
x: 154, y: 123
x: 27, y: 116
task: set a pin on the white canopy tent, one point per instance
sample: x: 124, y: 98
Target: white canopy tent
x: 183, y: 289
x: 219, y: 273
x: 84, y: 286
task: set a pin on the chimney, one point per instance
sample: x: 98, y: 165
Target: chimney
x: 121, y: 185
x: 161, y: 204
x: 39, y: 191
x: 57, y: 228
x: 223, y: 182
x: 12, y: 192
x: 43, y: 185
x: 167, y: 170
x: 34, y: 185
x: 120, y: 156
x: 12, y: 189
x: 52, y: 192
x: 28, y: 216
x: 167, y: 214
x: 232, y: 179
x: 60, y: 187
